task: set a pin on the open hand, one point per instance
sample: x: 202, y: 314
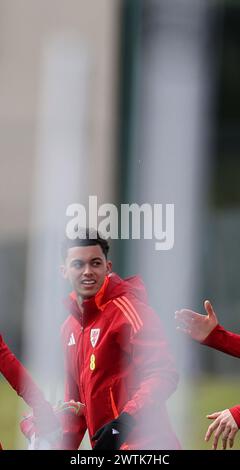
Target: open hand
x: 225, y: 426
x: 196, y: 325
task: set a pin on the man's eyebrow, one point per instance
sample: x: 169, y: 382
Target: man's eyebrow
x: 97, y: 258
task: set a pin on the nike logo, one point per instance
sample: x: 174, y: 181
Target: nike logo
x: 114, y: 431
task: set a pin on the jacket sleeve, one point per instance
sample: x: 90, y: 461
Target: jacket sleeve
x: 224, y: 341
x: 153, y: 363
x: 21, y: 381
x: 74, y: 427
x: 235, y: 412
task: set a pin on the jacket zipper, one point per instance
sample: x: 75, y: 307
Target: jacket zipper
x: 82, y: 365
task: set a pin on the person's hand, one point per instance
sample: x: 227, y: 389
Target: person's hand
x: 74, y: 407
x: 50, y: 437
x: 38, y: 441
x: 225, y: 426
x: 113, y: 434
x: 196, y: 325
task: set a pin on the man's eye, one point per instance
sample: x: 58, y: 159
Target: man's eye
x: 77, y: 265
x: 96, y: 263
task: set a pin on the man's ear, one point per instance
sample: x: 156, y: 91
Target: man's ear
x: 109, y: 267
x: 63, y: 271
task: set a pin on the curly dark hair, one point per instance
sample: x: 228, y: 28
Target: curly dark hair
x: 86, y: 237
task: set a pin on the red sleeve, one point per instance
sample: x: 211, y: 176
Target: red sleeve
x: 19, y: 378
x: 152, y: 359
x: 224, y: 341
x: 74, y: 427
x: 235, y: 411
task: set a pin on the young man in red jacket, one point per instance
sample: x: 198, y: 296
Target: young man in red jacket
x: 116, y: 356
x: 206, y: 330
x: 19, y: 378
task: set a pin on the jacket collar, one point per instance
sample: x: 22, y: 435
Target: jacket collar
x: 112, y: 287
x: 90, y: 307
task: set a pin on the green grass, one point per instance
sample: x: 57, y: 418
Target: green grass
x: 202, y: 396
x: 213, y: 395
x: 12, y: 409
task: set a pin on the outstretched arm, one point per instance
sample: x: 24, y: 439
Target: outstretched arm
x: 197, y: 326
x: 206, y: 330
x: 19, y: 378
x: 224, y: 426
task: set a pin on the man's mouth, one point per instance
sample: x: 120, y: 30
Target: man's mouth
x: 86, y: 282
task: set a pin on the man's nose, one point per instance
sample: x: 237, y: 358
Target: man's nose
x: 87, y: 269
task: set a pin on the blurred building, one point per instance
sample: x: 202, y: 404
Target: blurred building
x: 28, y: 31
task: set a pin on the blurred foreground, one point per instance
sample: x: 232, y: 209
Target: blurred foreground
x: 211, y: 394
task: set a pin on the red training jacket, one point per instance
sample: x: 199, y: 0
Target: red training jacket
x: 117, y: 360
x: 21, y: 381
x: 229, y: 343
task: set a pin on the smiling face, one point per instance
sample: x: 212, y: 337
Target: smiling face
x: 86, y: 267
